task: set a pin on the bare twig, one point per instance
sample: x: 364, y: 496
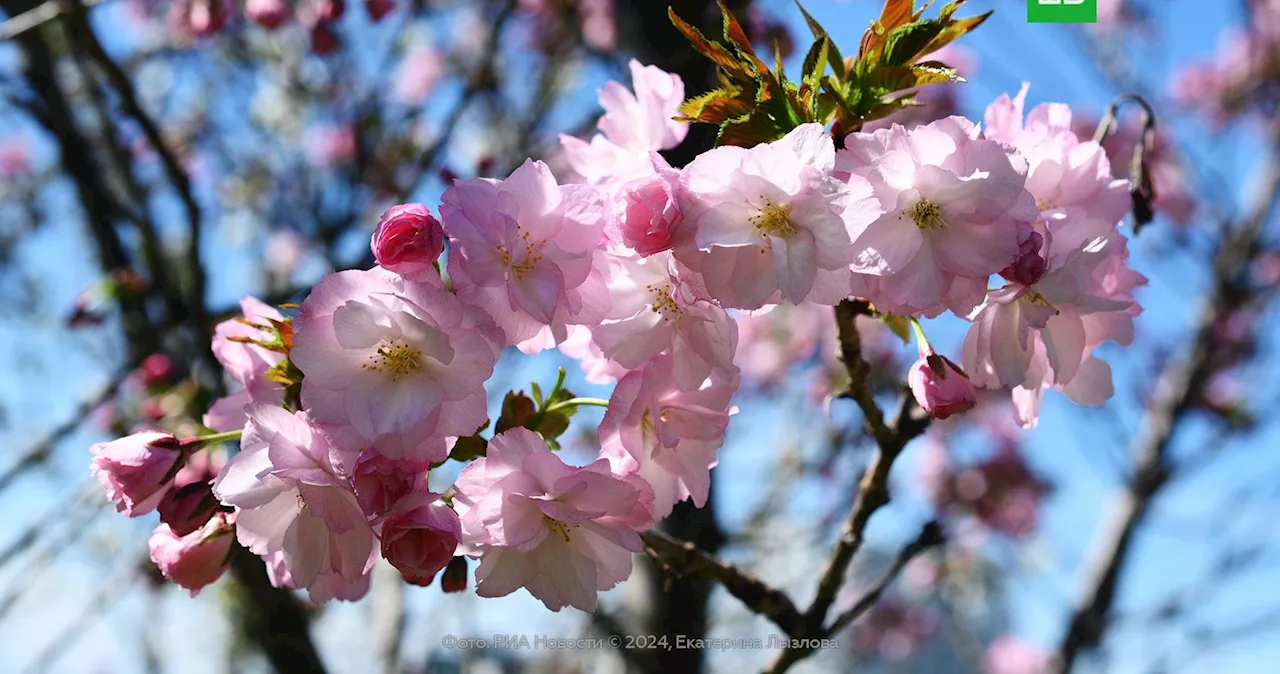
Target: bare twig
x: 930, y: 537
x: 873, y: 491
x: 31, y: 19
x: 688, y: 559
x: 1179, y: 388
x: 40, y: 451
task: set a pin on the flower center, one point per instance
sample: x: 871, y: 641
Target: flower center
x: 773, y: 220
x: 1045, y: 205
x: 522, y: 262
x: 558, y: 527
x: 926, y: 215
x: 664, y: 301
x: 397, y: 359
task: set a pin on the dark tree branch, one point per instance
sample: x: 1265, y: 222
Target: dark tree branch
x: 1179, y: 388
x: 873, y: 490
x: 687, y: 559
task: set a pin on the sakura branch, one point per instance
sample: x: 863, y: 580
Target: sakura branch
x: 642, y: 271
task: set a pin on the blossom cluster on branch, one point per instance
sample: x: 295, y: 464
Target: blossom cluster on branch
x: 344, y: 404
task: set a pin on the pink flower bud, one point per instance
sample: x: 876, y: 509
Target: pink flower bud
x: 137, y: 470
x: 187, y: 508
x: 154, y: 369
x: 381, y: 482
x: 202, y: 18
x: 408, y: 241
x: 323, y: 40
x: 1030, y: 265
x: 379, y: 9
x: 454, y: 578
x: 419, y: 536
x: 270, y: 14
x: 940, y: 386
x: 197, y: 559
x: 651, y: 212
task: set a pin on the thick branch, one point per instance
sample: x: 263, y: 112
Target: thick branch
x: 688, y: 559
x: 1179, y: 387
x: 873, y: 490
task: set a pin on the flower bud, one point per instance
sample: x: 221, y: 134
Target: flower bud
x: 379, y: 9
x: 323, y: 40
x: 197, y: 559
x: 454, y: 578
x: 270, y: 14
x: 1031, y: 264
x: 940, y: 386
x: 137, y: 470
x: 408, y: 241
x: 187, y: 508
x: 381, y: 482
x: 651, y: 212
x: 419, y: 536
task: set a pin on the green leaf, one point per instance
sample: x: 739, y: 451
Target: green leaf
x: 899, y: 325
x: 552, y: 426
x: 908, y: 41
x: 537, y: 393
x: 468, y: 448
x: 820, y: 33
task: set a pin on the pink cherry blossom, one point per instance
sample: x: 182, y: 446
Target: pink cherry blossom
x: 1029, y: 338
x: 650, y: 209
x: 527, y: 251
x: 137, y: 470
x: 940, y: 386
x: 408, y: 240
x: 668, y: 436
x: 563, y: 533
x: 292, y: 497
x: 200, y: 18
x: 1071, y: 180
x: 402, y: 364
x: 246, y: 364
x: 417, y: 75
x: 955, y: 212
x: 634, y: 124
x: 580, y: 346
x: 1011, y: 655
x: 659, y: 307
x: 419, y: 536
x: 771, y: 224
x: 381, y: 482
x: 196, y: 559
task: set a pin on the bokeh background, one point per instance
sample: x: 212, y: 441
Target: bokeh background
x: 281, y: 147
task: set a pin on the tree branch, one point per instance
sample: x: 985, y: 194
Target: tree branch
x: 687, y: 559
x: 873, y: 490
x: 1176, y: 393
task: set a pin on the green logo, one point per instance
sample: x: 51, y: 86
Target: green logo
x: 1062, y: 11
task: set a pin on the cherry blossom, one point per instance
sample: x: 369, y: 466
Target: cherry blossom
x: 292, y: 496
x: 770, y: 223
x: 562, y: 533
x: 634, y: 124
x: 196, y: 559
x: 137, y: 470
x: 668, y: 436
x: 245, y: 363
x: 402, y: 364
x: 527, y: 251
x: 955, y: 212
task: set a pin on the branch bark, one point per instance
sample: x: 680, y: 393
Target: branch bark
x: 1178, y: 389
x: 873, y: 490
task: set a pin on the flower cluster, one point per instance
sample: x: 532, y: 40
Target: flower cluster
x: 642, y: 272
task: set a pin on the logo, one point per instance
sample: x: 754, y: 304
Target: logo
x: 1062, y: 11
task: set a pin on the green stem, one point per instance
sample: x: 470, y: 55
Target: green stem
x: 920, y: 337
x: 577, y: 402
x: 209, y: 440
